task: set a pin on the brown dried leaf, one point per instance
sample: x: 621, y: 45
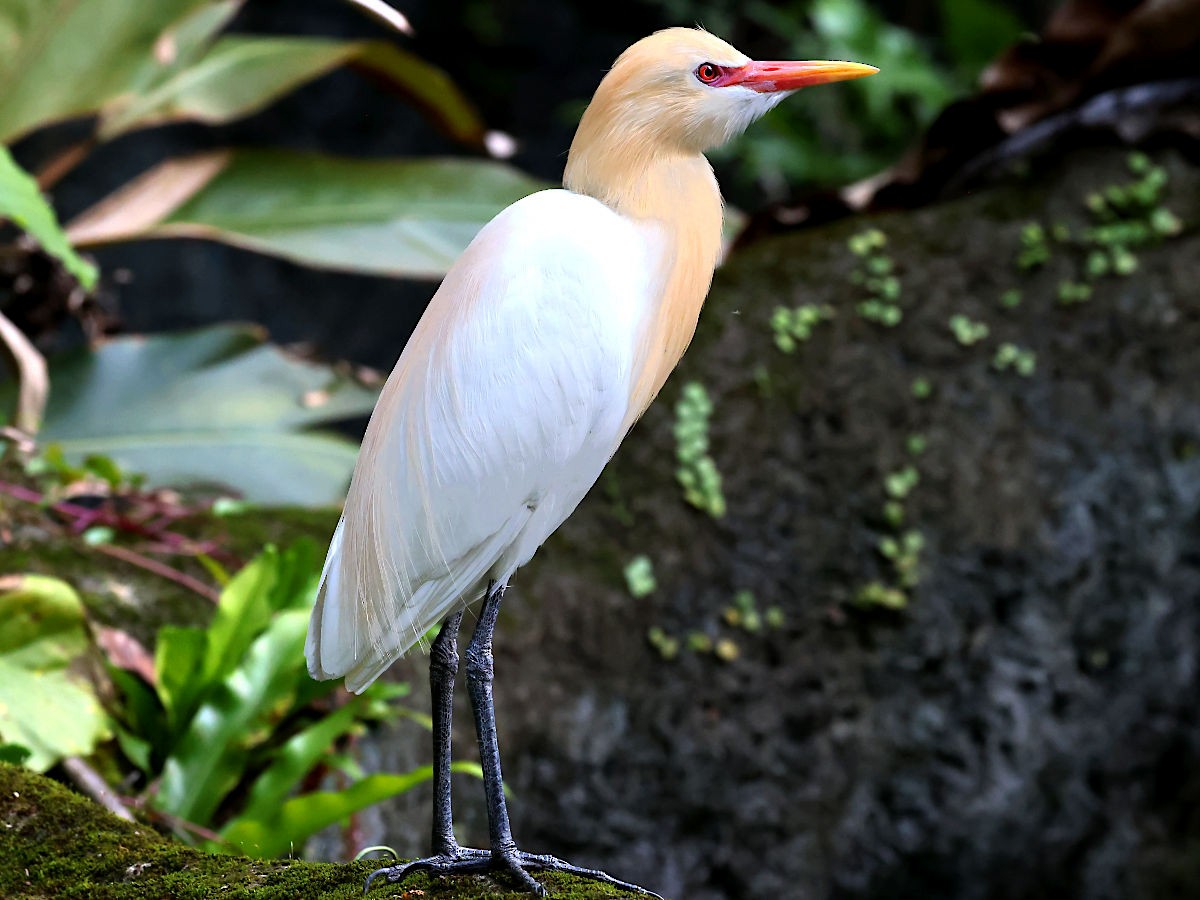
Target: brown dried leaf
x: 126, y: 652
x: 147, y: 200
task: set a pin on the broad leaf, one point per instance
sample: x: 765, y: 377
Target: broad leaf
x: 65, y: 58
x: 23, y: 203
x: 240, y: 75
x: 389, y: 217
x: 273, y: 582
x: 211, y: 756
x: 42, y: 707
x: 214, y: 406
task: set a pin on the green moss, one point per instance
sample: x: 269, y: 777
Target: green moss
x: 61, y: 845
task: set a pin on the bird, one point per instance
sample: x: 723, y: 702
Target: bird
x: 545, y: 342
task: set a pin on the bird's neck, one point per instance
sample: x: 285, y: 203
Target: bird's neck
x: 678, y: 193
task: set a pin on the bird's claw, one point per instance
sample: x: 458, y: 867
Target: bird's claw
x: 470, y: 861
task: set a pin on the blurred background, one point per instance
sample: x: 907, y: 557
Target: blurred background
x: 893, y: 593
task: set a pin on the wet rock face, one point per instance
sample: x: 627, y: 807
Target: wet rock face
x: 1026, y: 727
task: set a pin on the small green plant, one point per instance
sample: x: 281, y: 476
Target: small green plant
x: 876, y: 275
x: 667, y: 646
x: 1011, y: 298
x: 921, y: 388
x: 639, y: 577
x: 876, y: 593
x: 966, y: 331
x: 1035, y: 249
x: 1010, y: 356
x: 904, y: 553
x: 744, y: 613
x: 1072, y: 293
x: 796, y: 325
x: 900, y: 484
x: 696, y: 471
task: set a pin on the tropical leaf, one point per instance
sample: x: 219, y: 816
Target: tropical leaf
x: 403, y: 218
x: 215, y: 406
x: 60, y: 59
x: 240, y: 75
x: 23, y: 203
x: 42, y: 707
x: 210, y: 757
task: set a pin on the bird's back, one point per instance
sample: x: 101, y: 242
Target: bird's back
x: 505, y: 405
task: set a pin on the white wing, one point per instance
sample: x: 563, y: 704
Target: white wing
x: 505, y: 405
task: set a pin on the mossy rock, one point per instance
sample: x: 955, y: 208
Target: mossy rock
x: 59, y: 844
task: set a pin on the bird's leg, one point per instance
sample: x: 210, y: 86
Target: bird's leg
x: 480, y: 670
x: 443, y: 667
x: 504, y: 855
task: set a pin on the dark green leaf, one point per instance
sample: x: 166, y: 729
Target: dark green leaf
x: 240, y: 75
x: 213, y: 407
x: 67, y: 58
x: 210, y: 757
x: 404, y: 218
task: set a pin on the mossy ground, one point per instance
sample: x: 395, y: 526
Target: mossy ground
x: 60, y: 845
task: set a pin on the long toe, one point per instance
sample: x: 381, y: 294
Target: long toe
x: 464, y: 862
x: 517, y: 864
x: 514, y: 864
x: 546, y: 863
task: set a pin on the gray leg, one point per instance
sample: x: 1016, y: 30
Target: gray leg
x: 479, y: 684
x: 449, y: 858
x: 443, y: 666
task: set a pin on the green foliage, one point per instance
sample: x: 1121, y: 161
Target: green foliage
x: 46, y: 711
x: 876, y: 274
x: 966, y: 331
x: 230, y: 727
x: 666, y: 645
x: 696, y: 472
x: 1011, y: 298
x: 1124, y: 218
x: 792, y: 325
x: 23, y: 203
x: 639, y: 576
x: 215, y: 406
x: 876, y: 593
x: 1010, y: 356
x: 974, y: 32
x: 1071, y: 293
x: 1035, y: 249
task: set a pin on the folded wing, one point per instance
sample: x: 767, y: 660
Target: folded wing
x: 504, y: 407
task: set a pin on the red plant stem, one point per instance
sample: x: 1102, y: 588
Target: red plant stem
x: 84, y: 517
x: 174, y: 821
x: 157, y: 568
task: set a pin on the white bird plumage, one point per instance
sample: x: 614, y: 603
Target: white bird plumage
x: 511, y: 395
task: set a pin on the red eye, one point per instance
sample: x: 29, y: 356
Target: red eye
x: 708, y: 72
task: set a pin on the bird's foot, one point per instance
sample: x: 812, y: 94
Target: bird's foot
x: 469, y: 861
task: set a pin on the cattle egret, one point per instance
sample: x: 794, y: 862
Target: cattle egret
x: 547, y: 339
